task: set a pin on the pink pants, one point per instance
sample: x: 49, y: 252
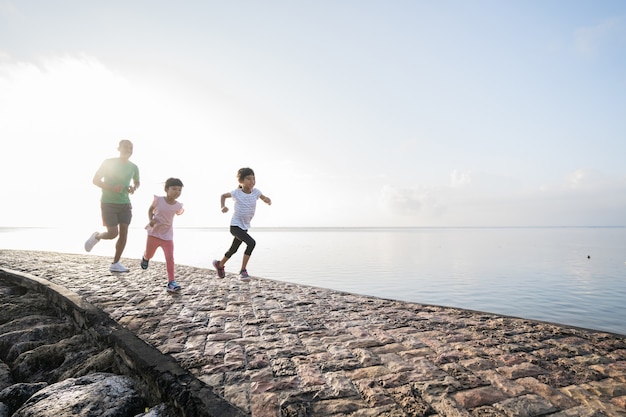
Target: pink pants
x: 168, y: 250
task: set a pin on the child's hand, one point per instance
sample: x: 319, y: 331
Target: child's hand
x: 131, y: 189
x: 224, y: 209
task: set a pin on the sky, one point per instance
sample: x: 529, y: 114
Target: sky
x: 352, y: 113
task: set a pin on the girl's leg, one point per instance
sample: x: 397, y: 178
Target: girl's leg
x: 231, y: 251
x: 152, y: 243
x: 234, y: 247
x: 168, y: 250
x: 244, y: 262
x: 250, y: 244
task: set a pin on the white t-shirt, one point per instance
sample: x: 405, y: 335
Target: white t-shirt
x: 245, y: 206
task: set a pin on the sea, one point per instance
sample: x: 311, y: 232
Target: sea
x: 568, y: 275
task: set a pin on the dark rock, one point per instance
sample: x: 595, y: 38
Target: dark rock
x: 158, y: 411
x: 103, y: 361
x: 94, y: 394
x: 41, y: 348
x: 16, y: 395
x: 5, y: 376
x: 31, y: 333
x: 48, y: 362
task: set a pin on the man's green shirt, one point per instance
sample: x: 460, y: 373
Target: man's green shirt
x: 115, y: 171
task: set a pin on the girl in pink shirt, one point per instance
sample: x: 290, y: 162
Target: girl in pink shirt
x: 160, y: 229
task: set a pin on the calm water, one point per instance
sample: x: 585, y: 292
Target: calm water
x: 574, y: 276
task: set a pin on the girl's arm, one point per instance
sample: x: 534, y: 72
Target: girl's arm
x: 266, y: 200
x: 223, y: 198
x: 151, y: 214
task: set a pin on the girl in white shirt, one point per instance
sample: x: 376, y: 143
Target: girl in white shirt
x: 245, y: 198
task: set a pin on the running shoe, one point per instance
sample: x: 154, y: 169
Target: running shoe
x: 244, y: 274
x: 220, y: 269
x: 144, y: 263
x: 91, y: 242
x: 118, y: 267
x: 172, y: 286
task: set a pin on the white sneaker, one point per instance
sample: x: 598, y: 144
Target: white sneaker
x: 91, y: 242
x: 118, y: 267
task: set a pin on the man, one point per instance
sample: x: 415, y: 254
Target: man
x: 114, y: 177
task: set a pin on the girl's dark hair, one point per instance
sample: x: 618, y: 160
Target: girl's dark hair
x: 243, y: 173
x: 173, y: 182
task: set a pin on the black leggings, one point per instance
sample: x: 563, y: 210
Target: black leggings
x: 240, y: 236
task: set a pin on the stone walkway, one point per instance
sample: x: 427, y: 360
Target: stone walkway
x: 278, y: 349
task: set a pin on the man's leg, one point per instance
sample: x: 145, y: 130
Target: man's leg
x: 111, y: 233
x: 121, y: 242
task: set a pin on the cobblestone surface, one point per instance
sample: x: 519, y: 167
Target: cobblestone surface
x: 279, y: 349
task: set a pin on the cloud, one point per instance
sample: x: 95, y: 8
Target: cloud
x: 592, y: 40
x: 61, y: 116
x: 460, y: 179
x: 62, y: 95
x: 410, y: 202
x: 465, y: 188
x: 584, y: 197
x: 9, y: 13
x: 586, y: 178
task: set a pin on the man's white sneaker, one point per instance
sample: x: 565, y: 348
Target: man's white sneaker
x: 91, y: 242
x: 118, y: 267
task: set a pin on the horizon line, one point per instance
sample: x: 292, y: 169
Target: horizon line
x: 358, y: 227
